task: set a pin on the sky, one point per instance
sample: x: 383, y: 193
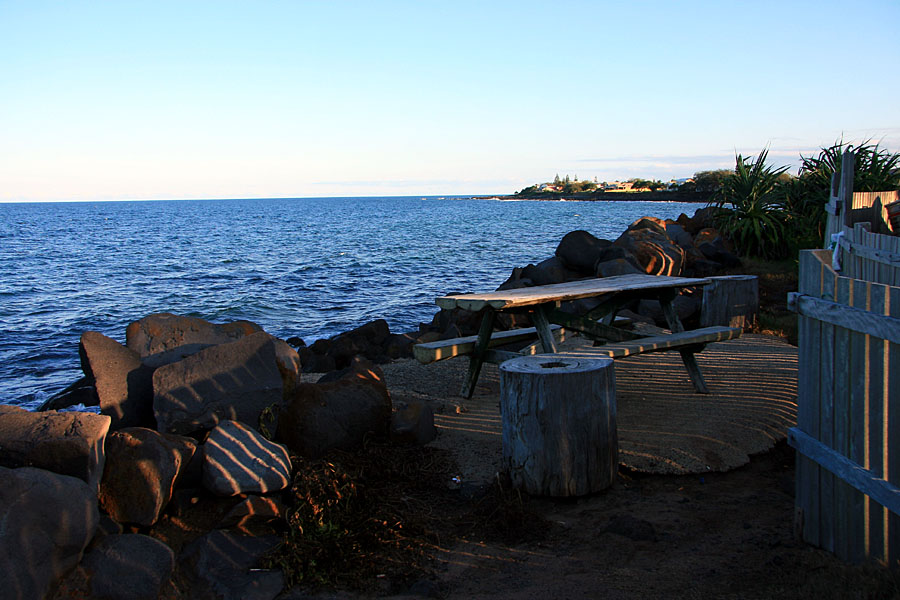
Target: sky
x: 168, y: 100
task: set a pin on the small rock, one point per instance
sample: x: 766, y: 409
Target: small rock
x: 413, y: 423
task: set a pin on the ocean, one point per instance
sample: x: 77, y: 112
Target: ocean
x: 307, y: 267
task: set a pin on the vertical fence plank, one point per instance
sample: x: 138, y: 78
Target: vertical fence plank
x: 858, y: 542
x: 842, y: 420
x: 892, y: 370
x: 827, y: 418
x: 877, y: 424
x: 807, y: 472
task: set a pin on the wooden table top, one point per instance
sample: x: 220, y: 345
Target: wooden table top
x: 573, y: 290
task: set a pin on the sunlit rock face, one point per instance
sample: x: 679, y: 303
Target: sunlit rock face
x: 69, y: 443
x: 163, y: 332
x: 238, y: 460
x: 141, y: 470
x: 46, y: 521
x: 233, y: 381
x: 655, y: 251
x: 123, y: 383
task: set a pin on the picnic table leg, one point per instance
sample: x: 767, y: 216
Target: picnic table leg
x: 542, y: 325
x: 687, y: 356
x: 477, y: 358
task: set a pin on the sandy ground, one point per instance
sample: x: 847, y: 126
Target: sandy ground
x: 702, y: 508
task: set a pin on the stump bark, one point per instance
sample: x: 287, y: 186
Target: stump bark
x: 559, y: 424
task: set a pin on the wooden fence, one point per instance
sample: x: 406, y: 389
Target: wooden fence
x: 848, y: 424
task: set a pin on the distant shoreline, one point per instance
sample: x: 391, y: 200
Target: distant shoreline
x: 609, y: 196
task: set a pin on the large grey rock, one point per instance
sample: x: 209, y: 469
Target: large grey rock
x: 218, y: 566
x: 124, y: 384
x: 579, y: 250
x: 128, y: 567
x: 678, y: 235
x: 238, y: 460
x: 552, y: 270
x: 320, y: 416
x: 233, y: 381
x: 69, y: 443
x: 46, y: 521
x: 163, y: 332
x: 142, y: 468
x: 656, y: 253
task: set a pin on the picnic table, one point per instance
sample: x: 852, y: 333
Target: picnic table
x: 544, y: 304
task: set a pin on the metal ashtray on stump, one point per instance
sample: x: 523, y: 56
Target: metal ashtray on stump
x: 559, y: 424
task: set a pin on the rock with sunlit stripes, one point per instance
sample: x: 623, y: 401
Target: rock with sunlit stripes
x: 239, y: 460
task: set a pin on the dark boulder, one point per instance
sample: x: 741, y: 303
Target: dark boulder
x: 221, y: 566
x: 339, y: 414
x: 549, y: 271
x: 46, y: 522
x: 579, y: 250
x: 81, y: 391
x: 653, y: 223
x: 128, y: 567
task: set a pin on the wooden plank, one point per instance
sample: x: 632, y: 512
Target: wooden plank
x: 477, y: 357
x: 892, y: 372
x: 858, y: 541
x: 842, y: 422
x: 591, y: 328
x: 659, y: 343
x: 880, y: 490
x: 433, y: 351
x: 559, y: 292
x: 845, y: 192
x: 879, y: 325
x: 826, y: 419
x: 807, y: 471
x: 542, y: 324
x: 877, y: 425
x: 731, y: 300
x: 874, y: 254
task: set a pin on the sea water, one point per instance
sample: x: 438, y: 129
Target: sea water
x: 307, y: 267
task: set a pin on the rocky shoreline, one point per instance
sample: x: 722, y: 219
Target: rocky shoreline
x: 599, y: 195
x: 191, y: 410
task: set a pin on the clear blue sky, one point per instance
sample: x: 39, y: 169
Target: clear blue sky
x: 140, y: 100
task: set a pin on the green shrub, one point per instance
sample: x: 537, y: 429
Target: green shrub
x: 752, y: 215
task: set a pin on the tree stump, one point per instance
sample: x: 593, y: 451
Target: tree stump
x: 559, y: 424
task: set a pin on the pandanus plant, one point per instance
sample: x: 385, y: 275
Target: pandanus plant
x: 751, y: 207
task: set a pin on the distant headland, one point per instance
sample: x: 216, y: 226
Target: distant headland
x: 698, y: 188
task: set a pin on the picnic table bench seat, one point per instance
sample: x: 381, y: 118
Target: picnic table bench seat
x: 657, y: 343
x: 430, y: 352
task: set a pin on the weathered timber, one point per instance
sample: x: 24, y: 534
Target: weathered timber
x: 657, y: 343
x: 878, y: 489
x: 731, y: 301
x: 559, y: 424
x: 558, y: 292
x: 881, y: 326
x: 433, y: 351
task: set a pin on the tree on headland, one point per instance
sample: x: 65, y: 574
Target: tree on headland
x: 710, y: 181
